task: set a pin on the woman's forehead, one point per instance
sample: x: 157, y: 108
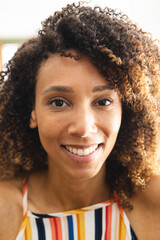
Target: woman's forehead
x: 58, y: 64
x: 58, y: 70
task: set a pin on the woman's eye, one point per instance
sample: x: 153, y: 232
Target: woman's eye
x: 58, y: 103
x: 104, y: 102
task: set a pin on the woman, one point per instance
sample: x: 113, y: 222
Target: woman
x: 79, y: 131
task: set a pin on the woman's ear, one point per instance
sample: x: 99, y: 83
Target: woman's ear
x: 33, y: 120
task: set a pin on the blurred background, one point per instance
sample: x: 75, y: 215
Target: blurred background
x: 21, y: 19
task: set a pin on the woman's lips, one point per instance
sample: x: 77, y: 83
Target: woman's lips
x: 82, y: 154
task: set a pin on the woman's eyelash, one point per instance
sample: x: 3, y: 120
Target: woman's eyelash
x: 58, y: 102
x: 104, y: 102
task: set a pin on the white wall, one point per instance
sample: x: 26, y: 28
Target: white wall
x: 144, y: 12
x: 22, y: 18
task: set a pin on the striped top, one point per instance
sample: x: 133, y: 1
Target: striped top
x: 103, y: 221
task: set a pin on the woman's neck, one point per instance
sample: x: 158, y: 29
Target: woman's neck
x: 62, y: 193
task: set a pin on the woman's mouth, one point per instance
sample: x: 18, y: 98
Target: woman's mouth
x: 82, y: 154
x: 82, y: 151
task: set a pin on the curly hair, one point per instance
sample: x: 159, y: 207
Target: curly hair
x: 127, y: 57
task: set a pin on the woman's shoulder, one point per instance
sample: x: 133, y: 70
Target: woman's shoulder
x: 11, y: 207
x: 11, y: 190
x: 16, y: 183
x: 146, y: 210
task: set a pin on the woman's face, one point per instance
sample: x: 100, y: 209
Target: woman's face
x: 78, y: 116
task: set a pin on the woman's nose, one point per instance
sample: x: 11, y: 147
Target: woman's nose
x: 83, y: 124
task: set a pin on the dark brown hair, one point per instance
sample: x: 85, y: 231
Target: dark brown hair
x: 130, y: 61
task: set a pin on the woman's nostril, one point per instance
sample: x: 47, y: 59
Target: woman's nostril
x: 82, y: 130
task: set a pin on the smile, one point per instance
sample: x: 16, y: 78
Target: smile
x: 80, y: 151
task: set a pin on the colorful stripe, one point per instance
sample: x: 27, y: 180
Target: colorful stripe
x: 104, y: 221
x: 98, y: 223
x: 80, y: 226
x: 108, y: 221
x: 41, y: 229
x: 28, y: 230
x: 70, y: 227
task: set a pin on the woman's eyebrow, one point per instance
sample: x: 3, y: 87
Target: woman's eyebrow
x: 67, y: 89
x: 102, y: 88
x: 58, y: 89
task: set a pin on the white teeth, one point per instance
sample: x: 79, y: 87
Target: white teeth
x: 86, y: 151
x: 74, y: 151
x: 91, y: 149
x: 70, y: 149
x: 82, y: 152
